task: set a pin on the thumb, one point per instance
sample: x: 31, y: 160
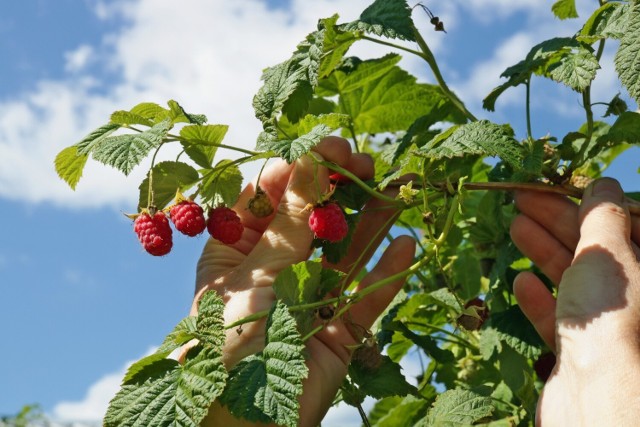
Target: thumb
x: 604, y: 218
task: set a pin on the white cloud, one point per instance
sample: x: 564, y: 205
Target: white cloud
x: 79, y: 58
x: 94, y: 404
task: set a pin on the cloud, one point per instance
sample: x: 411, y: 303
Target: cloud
x: 79, y: 58
x: 94, y: 404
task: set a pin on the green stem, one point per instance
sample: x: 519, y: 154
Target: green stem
x: 457, y: 338
x: 580, y: 157
x: 361, y: 184
x: 528, y: 107
x: 431, y: 60
x: 395, y: 46
x: 228, y: 147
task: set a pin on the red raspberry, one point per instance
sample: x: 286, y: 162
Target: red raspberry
x: 544, y: 365
x: 154, y: 233
x: 328, y: 222
x: 188, y: 217
x: 224, y: 224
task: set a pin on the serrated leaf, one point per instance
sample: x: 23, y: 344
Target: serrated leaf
x: 626, y: 129
x: 210, y: 320
x: 398, y: 411
x: 565, y: 9
x: 477, y: 138
x: 385, y: 380
x: 366, y: 72
x: 222, y: 184
x: 170, y: 394
x: 336, y: 44
x: 608, y: 21
x: 514, y: 329
x: 292, y: 150
x: 89, y: 142
x: 459, y: 407
x: 627, y: 59
x: 123, y: 118
x: 184, y: 331
x: 69, y: 165
x: 576, y: 70
x: 178, y: 115
x: 266, y: 387
x: 388, y: 18
x: 303, y: 283
x: 201, y: 142
x: 124, y: 152
x: 333, y: 121
x: 425, y: 342
x: 168, y: 177
x: 151, y: 111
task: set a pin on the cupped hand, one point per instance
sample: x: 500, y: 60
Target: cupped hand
x: 243, y: 273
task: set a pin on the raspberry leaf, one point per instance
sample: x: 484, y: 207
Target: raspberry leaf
x: 458, y: 407
x: 388, y: 18
x: 304, y: 283
x: 124, y: 118
x: 201, y: 142
x: 292, y: 150
x: 576, y: 70
x: 565, y: 9
x: 266, y: 387
x: 608, y: 21
x: 512, y: 328
x: 627, y: 59
x: 168, y: 393
x: 70, y: 164
x: 385, y: 380
x: 477, y: 138
x: 167, y: 178
x: 221, y: 184
x: 178, y: 115
x: 337, y: 42
x: 124, y: 152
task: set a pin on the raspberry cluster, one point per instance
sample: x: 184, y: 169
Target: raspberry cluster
x: 155, y: 234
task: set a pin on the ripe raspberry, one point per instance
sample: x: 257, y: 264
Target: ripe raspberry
x: 338, y: 178
x: 154, y: 233
x: 328, y: 222
x: 188, y: 217
x: 260, y: 205
x: 225, y: 225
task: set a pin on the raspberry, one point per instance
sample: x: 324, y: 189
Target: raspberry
x: 328, y: 222
x: 225, y: 225
x: 472, y: 323
x: 154, y: 233
x: 188, y: 217
x: 544, y: 365
x: 260, y: 205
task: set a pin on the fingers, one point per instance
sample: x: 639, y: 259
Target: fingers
x: 541, y: 247
x: 556, y: 214
x: 397, y: 258
x: 538, y: 305
x: 604, y: 219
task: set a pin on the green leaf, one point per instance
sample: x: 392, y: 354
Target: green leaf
x: 69, y: 165
x: 124, y: 152
x: 426, y: 343
x: 169, y: 393
x: 303, y: 283
x: 123, y: 118
x: 459, y: 407
x: 396, y: 411
x: 626, y: 129
x: 627, y: 59
x: 266, y: 387
x: 168, y: 177
x: 292, y: 150
x: 385, y: 380
x: 210, y: 320
x: 95, y: 138
x: 576, y: 70
x: 151, y: 111
x: 333, y: 121
x: 178, y: 115
x: 221, y: 184
x: 513, y: 328
x: 564, y: 9
x: 183, y: 332
x: 608, y: 21
x: 387, y: 18
x: 477, y: 138
x: 202, y: 141
x: 336, y: 44
x: 366, y: 73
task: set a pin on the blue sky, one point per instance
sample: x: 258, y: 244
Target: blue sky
x: 80, y: 297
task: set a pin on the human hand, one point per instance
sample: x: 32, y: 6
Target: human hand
x: 243, y: 273
x: 592, y: 253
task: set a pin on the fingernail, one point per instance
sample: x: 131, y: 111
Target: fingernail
x: 607, y: 187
